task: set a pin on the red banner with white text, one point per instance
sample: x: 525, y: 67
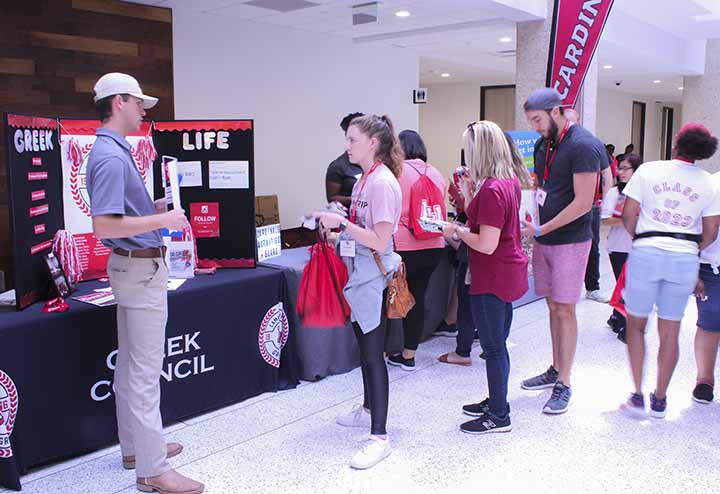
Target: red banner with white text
x: 577, y: 28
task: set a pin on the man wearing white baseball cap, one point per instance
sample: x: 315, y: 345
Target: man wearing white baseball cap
x: 127, y: 221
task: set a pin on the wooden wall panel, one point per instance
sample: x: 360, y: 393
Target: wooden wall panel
x: 53, y: 51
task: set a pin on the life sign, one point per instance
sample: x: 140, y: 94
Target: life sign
x: 205, y: 140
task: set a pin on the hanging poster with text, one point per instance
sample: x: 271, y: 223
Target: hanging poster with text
x: 35, y: 200
x: 216, y: 163
x: 77, y: 138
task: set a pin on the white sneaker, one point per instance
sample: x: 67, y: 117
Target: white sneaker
x: 597, y: 296
x: 357, y: 417
x: 374, y: 451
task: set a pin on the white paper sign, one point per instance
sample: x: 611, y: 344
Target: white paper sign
x: 190, y: 173
x: 269, y: 242
x: 171, y: 182
x: 229, y: 174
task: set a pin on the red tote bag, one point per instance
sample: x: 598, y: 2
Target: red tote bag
x: 321, y: 302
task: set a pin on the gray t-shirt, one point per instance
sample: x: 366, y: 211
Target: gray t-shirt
x: 116, y: 187
x: 578, y: 152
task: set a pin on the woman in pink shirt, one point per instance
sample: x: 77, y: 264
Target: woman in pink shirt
x: 498, y: 266
x: 419, y: 255
x: 374, y: 216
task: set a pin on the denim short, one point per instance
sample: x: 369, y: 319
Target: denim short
x: 709, y: 309
x: 661, y: 278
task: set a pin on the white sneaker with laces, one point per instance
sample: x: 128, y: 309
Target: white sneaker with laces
x: 357, y: 417
x: 597, y: 296
x: 374, y: 451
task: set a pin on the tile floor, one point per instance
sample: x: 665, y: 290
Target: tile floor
x: 288, y: 442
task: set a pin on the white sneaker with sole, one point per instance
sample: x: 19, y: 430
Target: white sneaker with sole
x: 597, y: 296
x: 374, y: 451
x: 357, y: 417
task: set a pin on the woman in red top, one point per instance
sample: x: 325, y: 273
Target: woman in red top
x: 498, y: 267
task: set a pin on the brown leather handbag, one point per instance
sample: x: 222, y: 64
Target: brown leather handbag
x: 399, y: 299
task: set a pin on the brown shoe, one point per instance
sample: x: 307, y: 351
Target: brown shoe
x: 173, y: 449
x: 171, y: 482
x: 454, y: 358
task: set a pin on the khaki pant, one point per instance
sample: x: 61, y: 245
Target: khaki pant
x: 140, y: 288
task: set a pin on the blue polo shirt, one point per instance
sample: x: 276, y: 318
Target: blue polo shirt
x: 116, y: 187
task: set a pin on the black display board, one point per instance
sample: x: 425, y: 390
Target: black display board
x: 35, y: 196
x: 218, y: 156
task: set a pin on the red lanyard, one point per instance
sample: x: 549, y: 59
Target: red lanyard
x: 549, y: 159
x: 363, y: 181
x: 685, y: 161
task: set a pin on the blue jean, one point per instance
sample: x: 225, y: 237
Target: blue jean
x: 465, y: 324
x: 493, y: 318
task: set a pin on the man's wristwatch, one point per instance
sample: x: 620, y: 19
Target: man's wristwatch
x: 343, y: 225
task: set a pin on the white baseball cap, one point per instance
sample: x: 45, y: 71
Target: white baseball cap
x: 117, y: 83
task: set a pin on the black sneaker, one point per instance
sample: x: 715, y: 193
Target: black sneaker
x: 479, y: 409
x: 406, y: 364
x: 703, y: 393
x: 487, y: 423
x: 613, y: 323
x: 622, y: 335
x: 446, y: 329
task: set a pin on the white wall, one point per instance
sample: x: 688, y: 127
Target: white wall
x: 443, y: 119
x: 297, y: 86
x: 614, y: 121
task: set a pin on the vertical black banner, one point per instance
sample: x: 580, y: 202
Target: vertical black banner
x: 217, y: 187
x: 35, y: 196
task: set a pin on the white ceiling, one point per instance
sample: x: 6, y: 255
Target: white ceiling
x: 644, y: 40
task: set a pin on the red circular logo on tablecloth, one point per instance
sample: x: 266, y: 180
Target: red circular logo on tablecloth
x: 273, y: 334
x: 8, y: 413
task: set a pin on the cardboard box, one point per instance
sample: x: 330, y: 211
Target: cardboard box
x: 267, y: 211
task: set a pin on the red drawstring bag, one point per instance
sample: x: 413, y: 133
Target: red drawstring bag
x: 616, y: 301
x: 426, y: 201
x: 321, y: 302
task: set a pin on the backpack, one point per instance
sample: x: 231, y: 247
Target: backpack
x: 426, y: 200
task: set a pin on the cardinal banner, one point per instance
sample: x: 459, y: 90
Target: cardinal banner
x: 77, y: 138
x: 577, y: 28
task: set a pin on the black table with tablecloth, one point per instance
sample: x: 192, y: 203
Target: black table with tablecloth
x: 325, y: 352
x: 223, y: 337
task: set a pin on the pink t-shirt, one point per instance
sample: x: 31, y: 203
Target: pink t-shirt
x: 380, y: 199
x: 503, y: 273
x: 404, y: 238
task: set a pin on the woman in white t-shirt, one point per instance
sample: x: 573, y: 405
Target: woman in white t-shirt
x: 671, y: 210
x: 619, y: 241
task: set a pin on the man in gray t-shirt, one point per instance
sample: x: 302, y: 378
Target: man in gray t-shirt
x: 126, y: 219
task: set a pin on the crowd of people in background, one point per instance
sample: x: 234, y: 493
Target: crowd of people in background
x: 661, y: 220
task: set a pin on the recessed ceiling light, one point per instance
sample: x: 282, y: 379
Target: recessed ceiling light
x: 681, y: 88
x: 607, y: 67
x: 402, y: 13
x: 505, y: 39
x: 657, y: 81
x: 445, y: 74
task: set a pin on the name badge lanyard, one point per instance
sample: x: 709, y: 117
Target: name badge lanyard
x: 363, y: 181
x: 550, y: 158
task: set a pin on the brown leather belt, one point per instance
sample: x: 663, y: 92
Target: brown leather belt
x: 141, y: 253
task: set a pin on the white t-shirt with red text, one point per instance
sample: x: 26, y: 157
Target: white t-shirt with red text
x: 674, y: 196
